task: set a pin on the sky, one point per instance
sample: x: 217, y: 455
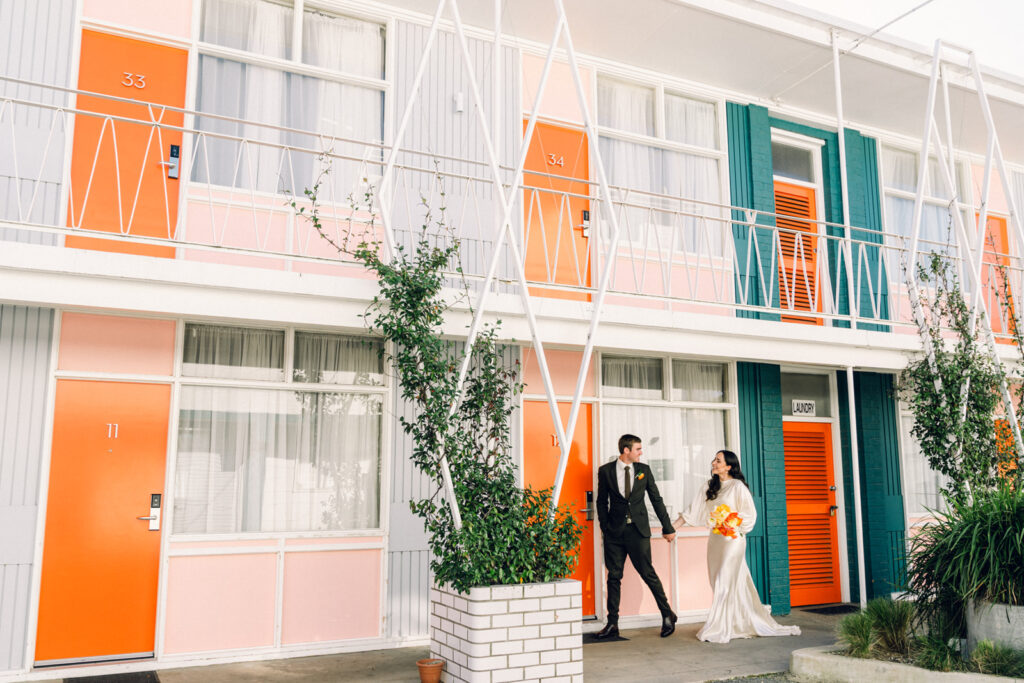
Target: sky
x: 992, y: 28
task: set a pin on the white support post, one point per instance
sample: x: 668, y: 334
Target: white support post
x: 855, y: 466
x: 851, y: 289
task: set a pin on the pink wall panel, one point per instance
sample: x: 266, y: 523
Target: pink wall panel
x: 105, y: 343
x: 564, y: 367
x: 331, y: 595
x: 560, y: 100
x: 694, y: 588
x: 156, y: 16
x: 220, y: 602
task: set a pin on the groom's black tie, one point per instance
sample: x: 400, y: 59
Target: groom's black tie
x: 629, y: 484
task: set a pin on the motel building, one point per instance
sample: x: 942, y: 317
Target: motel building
x: 200, y: 452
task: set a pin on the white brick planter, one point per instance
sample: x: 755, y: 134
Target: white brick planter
x: 531, y: 631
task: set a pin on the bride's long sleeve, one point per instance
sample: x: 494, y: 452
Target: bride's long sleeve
x: 746, y: 508
x: 696, y: 514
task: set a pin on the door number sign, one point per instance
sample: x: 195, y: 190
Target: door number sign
x: 111, y: 430
x: 130, y: 80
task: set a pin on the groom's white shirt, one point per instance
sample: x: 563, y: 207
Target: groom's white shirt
x: 620, y: 474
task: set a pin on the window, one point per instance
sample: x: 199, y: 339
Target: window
x: 899, y: 175
x: 794, y: 163
x: 272, y: 455
x: 665, y: 146
x: 680, y: 435
x: 330, y: 84
x: 798, y: 386
x: 921, y: 484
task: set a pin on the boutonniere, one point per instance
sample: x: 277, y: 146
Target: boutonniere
x: 640, y: 476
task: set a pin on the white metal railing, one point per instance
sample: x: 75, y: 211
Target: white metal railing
x: 236, y: 179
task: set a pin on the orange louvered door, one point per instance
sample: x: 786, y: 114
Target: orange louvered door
x: 995, y: 264
x: 798, y: 241
x: 811, y: 514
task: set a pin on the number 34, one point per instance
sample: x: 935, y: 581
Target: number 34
x: 133, y: 80
x: 556, y: 160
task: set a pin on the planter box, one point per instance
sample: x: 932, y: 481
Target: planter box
x: 1001, y: 624
x: 820, y: 664
x: 531, y: 631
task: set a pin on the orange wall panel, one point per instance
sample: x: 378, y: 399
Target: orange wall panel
x: 105, y: 343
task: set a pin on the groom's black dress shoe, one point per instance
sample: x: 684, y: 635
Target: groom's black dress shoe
x: 668, y: 625
x: 610, y: 630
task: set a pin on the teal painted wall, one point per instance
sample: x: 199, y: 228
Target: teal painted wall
x: 881, y: 490
x: 763, y: 463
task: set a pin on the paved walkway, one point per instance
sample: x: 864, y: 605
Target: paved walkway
x: 644, y: 657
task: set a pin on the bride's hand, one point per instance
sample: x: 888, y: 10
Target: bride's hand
x: 678, y: 522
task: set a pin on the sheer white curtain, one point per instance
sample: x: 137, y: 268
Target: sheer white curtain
x: 921, y: 483
x: 679, y: 444
x: 625, y: 106
x: 631, y: 377
x: 233, y: 352
x: 690, y: 121
x: 254, y: 460
x: 335, y: 359
x: 698, y: 382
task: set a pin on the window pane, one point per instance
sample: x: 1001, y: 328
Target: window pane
x: 343, y: 44
x: 703, y: 382
x: 625, y: 106
x: 631, y: 377
x: 678, y: 445
x: 335, y: 359
x: 253, y: 460
x: 899, y: 169
x: 792, y: 162
x: 264, y: 28
x: 235, y: 352
x: 690, y: 121
x: 804, y: 387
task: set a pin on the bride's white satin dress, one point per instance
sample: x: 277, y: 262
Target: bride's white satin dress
x: 736, y: 609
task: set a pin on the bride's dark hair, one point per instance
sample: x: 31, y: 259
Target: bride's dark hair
x: 733, y: 461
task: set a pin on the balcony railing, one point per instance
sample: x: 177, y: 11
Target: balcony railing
x: 83, y: 177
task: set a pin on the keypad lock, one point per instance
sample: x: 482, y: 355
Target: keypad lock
x: 589, y: 509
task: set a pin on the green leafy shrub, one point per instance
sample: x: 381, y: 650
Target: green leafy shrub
x: 998, y: 660
x: 892, y: 622
x: 971, y: 551
x: 856, y: 632
x: 934, y: 652
x: 509, y: 534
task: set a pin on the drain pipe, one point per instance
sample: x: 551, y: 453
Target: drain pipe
x: 855, y: 463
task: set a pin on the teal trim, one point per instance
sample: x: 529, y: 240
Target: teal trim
x: 751, y: 186
x: 881, y: 491
x: 763, y: 462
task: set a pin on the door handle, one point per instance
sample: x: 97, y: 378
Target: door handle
x: 147, y: 518
x: 832, y: 510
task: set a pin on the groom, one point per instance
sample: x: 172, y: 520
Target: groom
x: 622, y: 514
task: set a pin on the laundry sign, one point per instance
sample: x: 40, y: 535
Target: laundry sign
x: 803, y: 407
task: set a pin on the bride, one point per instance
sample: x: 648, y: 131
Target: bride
x: 736, y: 609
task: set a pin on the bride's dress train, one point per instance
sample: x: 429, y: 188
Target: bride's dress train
x: 736, y: 609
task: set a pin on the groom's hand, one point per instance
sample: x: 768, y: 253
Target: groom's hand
x: 669, y: 537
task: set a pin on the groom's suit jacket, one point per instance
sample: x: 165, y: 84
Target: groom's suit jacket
x: 612, y: 506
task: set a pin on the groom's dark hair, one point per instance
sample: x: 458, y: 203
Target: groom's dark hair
x: 626, y: 442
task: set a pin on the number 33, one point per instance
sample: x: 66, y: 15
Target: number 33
x: 136, y: 80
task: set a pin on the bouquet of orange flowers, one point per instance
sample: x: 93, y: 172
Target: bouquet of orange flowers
x: 724, y: 521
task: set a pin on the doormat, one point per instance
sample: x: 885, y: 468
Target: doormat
x: 832, y: 609
x: 140, y: 677
x: 590, y: 639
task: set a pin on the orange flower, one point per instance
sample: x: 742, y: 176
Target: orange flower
x: 724, y: 522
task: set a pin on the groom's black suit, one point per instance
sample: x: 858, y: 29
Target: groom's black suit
x: 633, y: 538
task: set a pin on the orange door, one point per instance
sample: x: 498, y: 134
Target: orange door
x: 555, y: 211
x: 811, y: 514
x: 118, y: 184
x: 798, y: 277
x: 100, y: 563
x: 540, y: 464
x: 995, y: 288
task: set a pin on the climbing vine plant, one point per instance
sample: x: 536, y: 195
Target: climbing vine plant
x: 509, y: 534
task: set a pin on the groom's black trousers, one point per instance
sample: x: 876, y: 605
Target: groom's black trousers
x: 638, y: 548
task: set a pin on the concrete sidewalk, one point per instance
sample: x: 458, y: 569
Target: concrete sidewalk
x: 645, y: 657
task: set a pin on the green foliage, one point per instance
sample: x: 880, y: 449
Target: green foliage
x: 936, y: 654
x: 509, y: 534
x: 856, y: 632
x: 972, y: 550
x: 965, y: 448
x: 892, y: 621
x: 998, y: 660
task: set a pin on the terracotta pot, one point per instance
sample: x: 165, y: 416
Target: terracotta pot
x: 430, y: 670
